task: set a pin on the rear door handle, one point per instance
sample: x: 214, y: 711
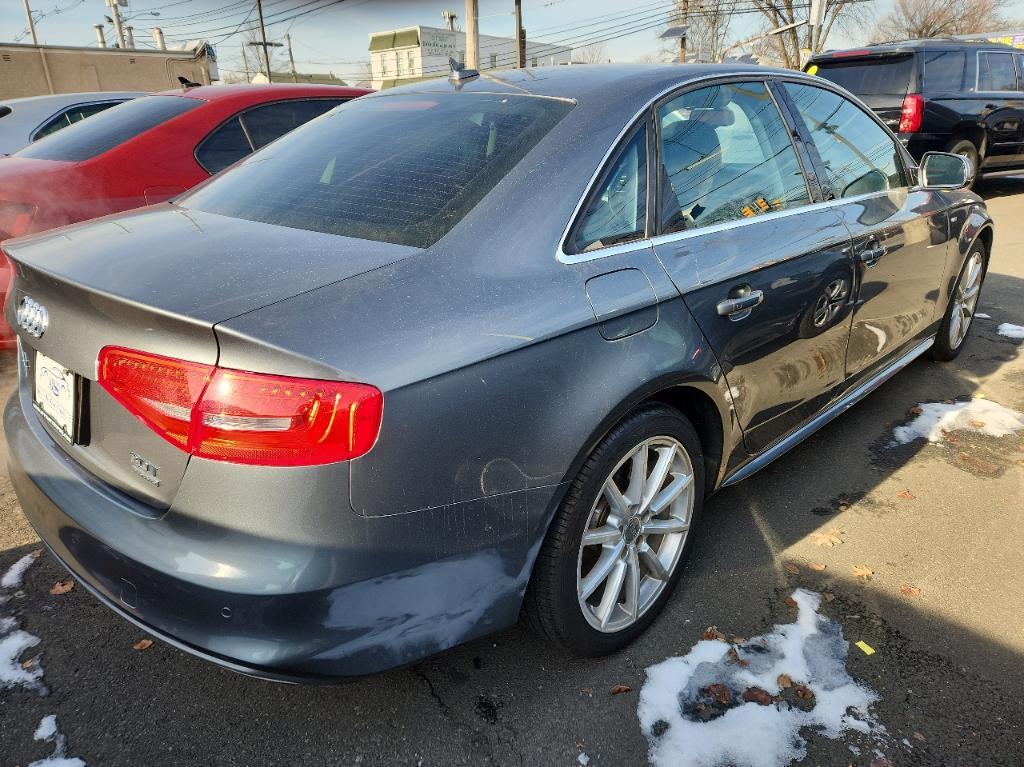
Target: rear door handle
x: 739, y: 308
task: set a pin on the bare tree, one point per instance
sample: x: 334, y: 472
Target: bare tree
x: 914, y: 19
x: 709, y: 22
x: 787, y: 45
x: 590, y: 54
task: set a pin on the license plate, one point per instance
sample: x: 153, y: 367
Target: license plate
x: 56, y: 396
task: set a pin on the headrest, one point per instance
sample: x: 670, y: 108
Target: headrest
x: 716, y: 118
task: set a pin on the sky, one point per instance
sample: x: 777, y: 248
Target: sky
x: 332, y: 35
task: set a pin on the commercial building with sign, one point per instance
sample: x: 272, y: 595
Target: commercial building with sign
x: 402, y: 56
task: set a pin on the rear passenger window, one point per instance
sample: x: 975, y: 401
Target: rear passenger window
x: 225, y: 146
x: 726, y: 154
x: 944, y: 71
x: 617, y: 211
x: 859, y: 155
x: 71, y: 116
x: 996, y: 72
x: 271, y: 121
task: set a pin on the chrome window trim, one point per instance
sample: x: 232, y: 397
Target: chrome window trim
x: 574, y: 258
x: 977, y: 71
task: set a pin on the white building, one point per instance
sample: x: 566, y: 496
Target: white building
x: 402, y: 56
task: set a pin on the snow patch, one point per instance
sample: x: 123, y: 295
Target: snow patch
x: 811, y: 651
x: 47, y: 731
x: 978, y: 415
x: 12, y: 578
x: 1010, y: 330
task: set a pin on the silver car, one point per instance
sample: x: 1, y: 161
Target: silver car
x: 23, y: 121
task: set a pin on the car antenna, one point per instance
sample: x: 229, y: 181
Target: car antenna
x: 459, y: 75
x: 186, y: 83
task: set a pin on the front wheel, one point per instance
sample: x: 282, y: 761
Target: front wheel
x: 949, y: 341
x: 616, y: 547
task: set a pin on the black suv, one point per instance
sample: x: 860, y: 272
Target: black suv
x: 942, y: 94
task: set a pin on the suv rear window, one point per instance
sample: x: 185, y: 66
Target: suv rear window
x: 403, y: 169
x: 101, y: 133
x: 879, y: 76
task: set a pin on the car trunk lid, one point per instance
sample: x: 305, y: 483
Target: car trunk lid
x: 158, y: 280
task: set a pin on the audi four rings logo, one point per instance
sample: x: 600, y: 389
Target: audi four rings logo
x: 33, y: 317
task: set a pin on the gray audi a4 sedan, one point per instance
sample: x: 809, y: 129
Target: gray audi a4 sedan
x: 453, y: 353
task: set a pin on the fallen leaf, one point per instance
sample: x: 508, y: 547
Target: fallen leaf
x: 910, y: 591
x: 829, y: 596
x: 791, y: 602
x: 738, y: 640
x: 62, y: 587
x: 143, y: 644
x: 979, y: 465
x: 621, y: 688
x: 918, y: 736
x: 905, y: 495
x: 758, y: 696
x: 735, y: 657
x: 784, y: 681
x: 587, y: 691
x: 832, y: 537
x: 30, y: 662
x: 718, y: 692
x: 803, y: 691
x: 880, y: 761
x: 816, y: 566
x: 863, y: 571
x: 977, y: 424
x: 36, y: 553
x: 712, y: 632
x: 916, y: 410
x: 791, y: 567
x: 950, y: 438
x: 843, y: 504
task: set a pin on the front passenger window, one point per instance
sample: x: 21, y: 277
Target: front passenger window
x: 726, y: 154
x: 859, y: 156
x: 617, y: 211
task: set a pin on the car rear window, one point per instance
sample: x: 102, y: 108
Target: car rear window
x: 101, y: 133
x: 397, y: 168
x: 880, y: 76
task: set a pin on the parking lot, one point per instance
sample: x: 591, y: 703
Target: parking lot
x: 938, y: 527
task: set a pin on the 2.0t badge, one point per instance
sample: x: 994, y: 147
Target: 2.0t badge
x: 32, y: 317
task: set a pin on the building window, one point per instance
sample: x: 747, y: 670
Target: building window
x: 399, y: 65
x: 412, y: 62
x: 533, y: 61
x: 494, y: 61
x: 462, y: 58
x: 384, y: 65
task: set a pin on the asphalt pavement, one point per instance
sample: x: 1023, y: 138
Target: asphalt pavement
x: 937, y: 525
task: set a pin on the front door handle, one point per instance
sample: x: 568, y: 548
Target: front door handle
x: 740, y: 303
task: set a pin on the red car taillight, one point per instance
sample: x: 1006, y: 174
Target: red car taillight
x: 15, y: 218
x: 242, y: 417
x: 911, y: 113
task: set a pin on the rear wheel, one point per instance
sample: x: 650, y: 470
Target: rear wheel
x: 616, y: 548
x: 966, y: 148
x: 960, y: 313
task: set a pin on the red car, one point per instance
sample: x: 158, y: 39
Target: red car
x: 144, y: 152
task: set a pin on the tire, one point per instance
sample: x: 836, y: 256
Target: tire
x: 950, y: 339
x: 966, y: 148
x: 557, y: 605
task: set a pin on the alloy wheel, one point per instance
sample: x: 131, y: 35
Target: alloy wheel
x: 635, y: 534
x: 965, y: 299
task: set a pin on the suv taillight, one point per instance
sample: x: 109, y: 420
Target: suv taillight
x: 241, y: 417
x: 911, y: 113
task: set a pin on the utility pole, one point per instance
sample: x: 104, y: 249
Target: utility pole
x: 682, y: 39
x: 100, y: 39
x: 291, y: 58
x: 245, y: 63
x: 129, y: 32
x: 472, y: 34
x: 520, y: 36
x: 116, y: 18
x: 263, y: 37
x: 266, y: 53
x: 31, y: 24
x: 816, y: 19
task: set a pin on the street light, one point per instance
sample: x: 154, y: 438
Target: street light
x: 755, y: 38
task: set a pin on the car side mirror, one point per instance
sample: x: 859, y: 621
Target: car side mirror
x: 942, y: 170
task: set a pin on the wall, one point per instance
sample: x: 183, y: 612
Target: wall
x: 22, y: 70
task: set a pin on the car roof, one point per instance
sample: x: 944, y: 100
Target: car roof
x: 909, y: 46
x: 263, y: 92
x: 587, y: 82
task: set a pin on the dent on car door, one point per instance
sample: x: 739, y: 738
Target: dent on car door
x: 899, y: 233
x: 766, y: 274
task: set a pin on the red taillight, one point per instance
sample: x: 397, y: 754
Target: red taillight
x: 15, y: 218
x: 911, y: 114
x: 242, y: 417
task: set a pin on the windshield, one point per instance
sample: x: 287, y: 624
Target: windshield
x: 403, y: 169
x: 101, y: 133
x: 882, y: 76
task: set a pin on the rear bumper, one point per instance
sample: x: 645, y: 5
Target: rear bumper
x: 260, y: 622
